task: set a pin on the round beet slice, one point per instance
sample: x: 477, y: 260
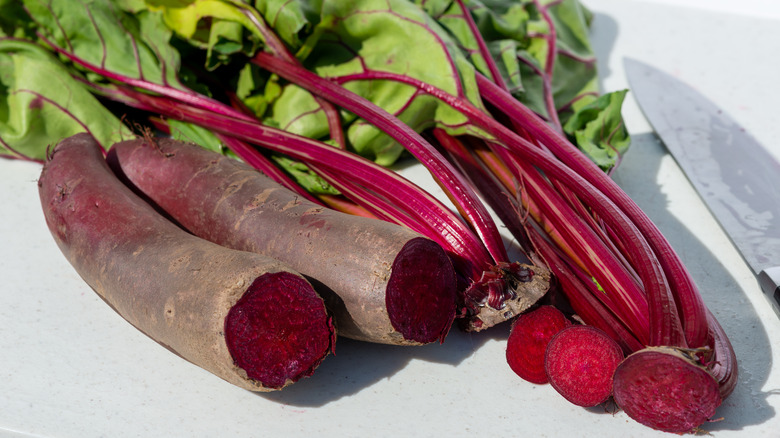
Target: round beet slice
x: 580, y: 362
x: 531, y: 333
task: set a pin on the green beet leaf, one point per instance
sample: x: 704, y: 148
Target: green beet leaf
x: 225, y: 28
x: 598, y: 129
x: 304, y: 177
x: 195, y: 134
x: 135, y: 45
x: 291, y: 20
x: 222, y: 38
x: 357, y: 37
x: 41, y: 104
x: 516, y: 34
x: 14, y: 21
x: 363, y: 37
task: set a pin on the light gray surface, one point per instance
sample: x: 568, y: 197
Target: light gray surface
x: 70, y: 367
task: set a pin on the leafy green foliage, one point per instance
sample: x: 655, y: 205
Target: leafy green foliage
x: 291, y: 20
x: 352, y: 41
x: 135, y: 45
x: 392, y: 36
x: 350, y: 38
x: 14, y: 21
x: 223, y: 37
x: 519, y: 38
x: 599, y: 130
x: 41, y: 103
x: 304, y: 176
x: 195, y: 134
x: 502, y: 24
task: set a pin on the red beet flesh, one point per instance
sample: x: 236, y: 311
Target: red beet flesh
x: 420, y: 296
x: 661, y: 388
x: 580, y: 362
x: 269, y: 331
x: 527, y: 343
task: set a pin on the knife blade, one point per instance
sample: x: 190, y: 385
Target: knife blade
x: 736, y: 177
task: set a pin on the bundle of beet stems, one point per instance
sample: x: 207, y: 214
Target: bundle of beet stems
x: 618, y: 273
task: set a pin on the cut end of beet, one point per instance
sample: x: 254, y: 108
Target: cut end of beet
x: 279, y: 331
x: 421, y: 292
x: 580, y: 363
x: 663, y: 388
x: 528, y: 339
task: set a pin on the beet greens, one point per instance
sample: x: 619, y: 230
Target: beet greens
x: 48, y: 104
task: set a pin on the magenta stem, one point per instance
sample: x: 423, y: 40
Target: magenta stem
x: 691, y: 307
x: 452, y: 183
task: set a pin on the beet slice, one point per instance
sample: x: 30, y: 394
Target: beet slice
x: 663, y: 388
x: 580, y: 363
x: 527, y: 344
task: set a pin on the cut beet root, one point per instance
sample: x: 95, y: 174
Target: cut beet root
x: 270, y: 334
x: 580, y: 362
x: 662, y: 388
x: 528, y: 340
x: 415, y: 306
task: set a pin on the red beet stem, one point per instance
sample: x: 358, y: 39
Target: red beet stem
x: 665, y: 389
x: 580, y: 362
x: 531, y: 333
x: 269, y: 331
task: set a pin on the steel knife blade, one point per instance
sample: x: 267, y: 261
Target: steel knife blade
x: 736, y: 177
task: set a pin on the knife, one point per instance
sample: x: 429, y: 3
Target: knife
x: 736, y: 177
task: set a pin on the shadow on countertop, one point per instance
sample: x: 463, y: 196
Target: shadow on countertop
x: 358, y: 365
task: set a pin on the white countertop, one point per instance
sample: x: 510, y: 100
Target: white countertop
x: 71, y: 367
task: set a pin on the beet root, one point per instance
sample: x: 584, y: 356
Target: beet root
x: 665, y: 389
x: 384, y: 283
x: 244, y: 317
x: 530, y: 334
x: 580, y: 362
